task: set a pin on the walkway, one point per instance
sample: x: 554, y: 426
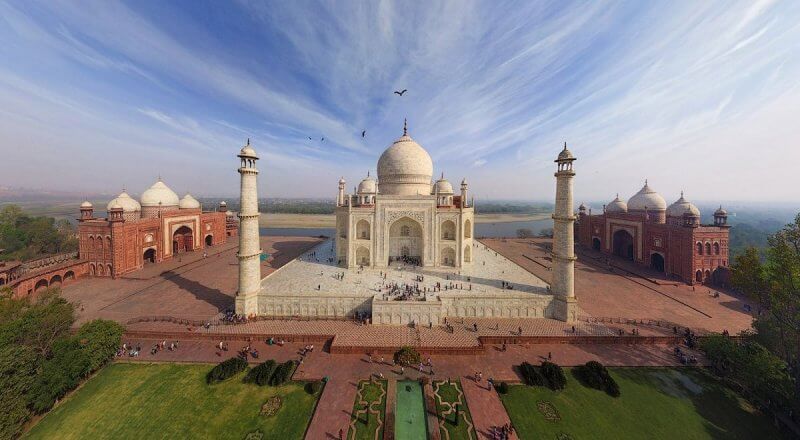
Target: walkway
x: 488, y: 412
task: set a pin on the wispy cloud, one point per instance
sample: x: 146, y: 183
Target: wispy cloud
x: 642, y: 89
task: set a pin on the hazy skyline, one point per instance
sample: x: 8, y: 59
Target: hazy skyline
x: 699, y: 96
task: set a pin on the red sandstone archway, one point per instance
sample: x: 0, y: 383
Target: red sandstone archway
x: 623, y: 244
x: 209, y: 240
x: 55, y: 281
x: 657, y: 262
x: 69, y: 276
x: 149, y: 256
x: 41, y: 284
x: 182, y: 240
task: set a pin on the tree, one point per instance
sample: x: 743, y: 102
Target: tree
x: 59, y: 375
x: 99, y: 339
x: 546, y: 233
x: 41, y: 324
x: 17, y: 373
x: 524, y: 233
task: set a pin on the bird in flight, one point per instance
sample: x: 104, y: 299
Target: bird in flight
x: 363, y: 133
x: 401, y: 93
x: 309, y: 138
x: 322, y: 140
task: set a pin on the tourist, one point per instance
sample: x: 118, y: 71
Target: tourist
x: 519, y: 330
x: 549, y: 355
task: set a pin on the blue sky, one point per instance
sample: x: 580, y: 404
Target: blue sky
x: 700, y: 96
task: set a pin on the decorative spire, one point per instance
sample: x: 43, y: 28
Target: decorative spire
x: 367, y: 173
x: 405, y: 127
x: 565, y: 146
x: 248, y: 141
x: 442, y: 175
x: 681, y: 193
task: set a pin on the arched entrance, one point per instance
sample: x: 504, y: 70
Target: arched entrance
x: 362, y: 256
x: 448, y: 230
x: 467, y: 254
x: 182, y: 240
x: 406, y: 242
x: 41, y: 284
x: 362, y: 230
x: 209, y: 240
x: 448, y: 257
x: 596, y: 245
x: 623, y: 244
x: 69, y: 276
x: 657, y: 262
x: 55, y: 281
x: 149, y: 256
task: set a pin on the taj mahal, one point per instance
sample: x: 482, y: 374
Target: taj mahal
x: 403, y: 253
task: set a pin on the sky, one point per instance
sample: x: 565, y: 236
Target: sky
x: 700, y: 96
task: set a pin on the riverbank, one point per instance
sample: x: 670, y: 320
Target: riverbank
x: 329, y: 220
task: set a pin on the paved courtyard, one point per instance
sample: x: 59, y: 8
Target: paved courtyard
x: 315, y: 274
x: 186, y: 287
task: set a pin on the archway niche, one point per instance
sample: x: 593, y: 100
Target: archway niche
x: 623, y: 244
x: 406, y: 242
x: 467, y: 254
x: 657, y: 262
x: 362, y: 256
x: 448, y: 230
x: 448, y: 257
x: 209, y: 240
x: 149, y: 256
x: 182, y: 240
x: 362, y: 230
x: 596, y: 245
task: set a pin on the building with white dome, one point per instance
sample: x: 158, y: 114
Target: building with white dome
x: 669, y: 239
x: 157, y: 227
x: 403, y: 215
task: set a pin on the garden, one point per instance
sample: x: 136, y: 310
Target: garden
x: 175, y: 401
x: 655, y: 403
x: 369, y: 411
x: 455, y: 421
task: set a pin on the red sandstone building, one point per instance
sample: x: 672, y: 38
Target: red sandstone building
x: 670, y: 239
x: 157, y: 229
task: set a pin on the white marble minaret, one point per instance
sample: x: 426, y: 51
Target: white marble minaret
x: 563, y: 285
x: 249, y: 244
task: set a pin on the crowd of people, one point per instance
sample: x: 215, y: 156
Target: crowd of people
x: 130, y: 350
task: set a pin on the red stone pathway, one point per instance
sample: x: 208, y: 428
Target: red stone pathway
x: 488, y: 412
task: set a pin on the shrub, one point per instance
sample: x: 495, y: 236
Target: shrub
x: 530, y: 375
x: 282, y: 373
x: 226, y: 369
x: 60, y: 374
x: 502, y: 388
x: 313, y: 387
x: 553, y: 375
x: 594, y: 375
x: 261, y: 374
x: 406, y: 356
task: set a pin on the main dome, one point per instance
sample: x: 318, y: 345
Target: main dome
x: 160, y: 195
x: 405, y: 168
x: 648, y: 199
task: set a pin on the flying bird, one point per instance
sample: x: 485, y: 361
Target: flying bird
x: 309, y: 138
x: 322, y: 140
x: 401, y: 93
x: 363, y: 133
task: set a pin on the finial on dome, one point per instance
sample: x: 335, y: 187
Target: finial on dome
x: 367, y: 173
x: 645, y: 182
x: 405, y: 126
x: 681, y: 193
x: 565, y: 145
x: 248, y: 141
x: 442, y: 175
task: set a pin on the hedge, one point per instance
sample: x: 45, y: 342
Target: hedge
x: 262, y: 373
x: 226, y: 369
x: 530, y: 375
x: 313, y: 387
x: 282, y: 373
x: 594, y: 375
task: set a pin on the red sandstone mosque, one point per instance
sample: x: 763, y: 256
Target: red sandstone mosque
x: 670, y: 240
x: 157, y: 229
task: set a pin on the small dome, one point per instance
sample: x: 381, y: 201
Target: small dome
x: 229, y: 213
x: 342, y: 181
x: 565, y: 154
x: 159, y: 195
x: 86, y: 204
x: 464, y: 182
x: 189, y: 202
x: 223, y: 203
x: 647, y: 199
x: 126, y: 202
x: 368, y: 186
x: 248, y: 151
x: 405, y: 168
x: 617, y: 205
x: 582, y: 207
x: 682, y: 207
x: 443, y: 186
x: 720, y: 211
x: 114, y: 205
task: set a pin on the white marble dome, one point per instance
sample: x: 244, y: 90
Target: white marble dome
x: 86, y: 204
x: 647, y: 199
x: 442, y: 186
x: 159, y: 195
x: 124, y: 201
x: 617, y: 205
x: 189, y: 202
x: 405, y: 168
x: 681, y: 207
x: 248, y: 152
x: 368, y: 186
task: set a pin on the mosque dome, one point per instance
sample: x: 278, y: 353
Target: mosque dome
x: 720, y: 211
x: 124, y: 201
x: 647, y: 199
x: 617, y: 205
x: 443, y: 186
x: 405, y: 168
x: 86, y: 204
x: 368, y: 186
x: 159, y: 195
x: 229, y: 213
x: 189, y: 202
x: 682, y: 207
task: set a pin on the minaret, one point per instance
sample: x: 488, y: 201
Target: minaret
x: 464, y: 193
x: 340, y: 197
x: 249, y: 244
x: 563, y: 283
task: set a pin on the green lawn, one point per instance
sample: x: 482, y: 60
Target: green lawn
x: 655, y: 404
x: 368, y: 424
x: 173, y: 401
x: 452, y: 393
